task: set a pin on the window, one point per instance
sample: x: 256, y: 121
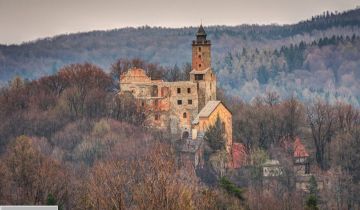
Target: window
x: 184, y: 115
x: 199, y: 49
x: 199, y: 76
x: 199, y: 65
x: 179, y: 102
x: 142, y: 103
x: 156, y: 102
x: 178, y: 90
x: 189, y: 90
x: 154, y: 91
x: 199, y: 56
x: 307, y: 168
x: 157, y: 117
x: 189, y: 101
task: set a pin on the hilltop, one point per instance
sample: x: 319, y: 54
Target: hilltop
x: 265, y: 67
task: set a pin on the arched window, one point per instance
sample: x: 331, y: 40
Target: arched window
x: 199, y: 49
x: 199, y: 65
x: 184, y: 115
x: 185, y: 135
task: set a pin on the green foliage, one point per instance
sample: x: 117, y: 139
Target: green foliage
x: 313, y: 186
x: 311, y: 203
x: 257, y: 158
x: 231, y: 188
x: 51, y: 201
x: 215, y: 135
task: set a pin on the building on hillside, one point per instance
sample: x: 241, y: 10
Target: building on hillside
x: 208, y: 116
x: 272, y: 168
x: 185, y: 108
x: 301, y: 158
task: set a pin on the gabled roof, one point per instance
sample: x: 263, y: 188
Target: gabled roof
x: 206, y: 110
x: 299, y: 149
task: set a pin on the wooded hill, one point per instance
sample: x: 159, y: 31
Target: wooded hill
x: 316, y: 57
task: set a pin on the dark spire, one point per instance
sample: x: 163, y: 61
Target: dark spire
x: 201, y: 31
x: 201, y: 34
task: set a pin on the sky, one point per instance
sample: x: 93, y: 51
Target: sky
x: 27, y: 20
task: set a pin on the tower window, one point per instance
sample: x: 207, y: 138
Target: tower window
x: 157, y: 117
x: 199, y: 49
x: 199, y: 56
x: 184, y: 115
x: 179, y: 102
x: 189, y: 101
x: 178, y: 90
x: 189, y: 90
x: 199, y: 76
x: 199, y: 65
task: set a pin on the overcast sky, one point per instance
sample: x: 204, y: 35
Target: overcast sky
x: 24, y: 20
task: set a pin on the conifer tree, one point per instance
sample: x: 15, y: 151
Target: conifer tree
x: 215, y: 135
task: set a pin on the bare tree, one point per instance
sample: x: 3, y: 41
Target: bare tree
x: 322, y: 122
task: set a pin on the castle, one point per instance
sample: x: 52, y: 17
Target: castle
x: 185, y: 108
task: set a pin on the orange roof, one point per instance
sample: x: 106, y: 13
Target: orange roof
x: 239, y: 155
x: 299, y: 149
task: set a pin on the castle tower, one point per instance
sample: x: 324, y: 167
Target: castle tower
x: 202, y: 73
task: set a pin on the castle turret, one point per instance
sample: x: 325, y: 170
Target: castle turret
x: 202, y: 73
x: 201, y: 51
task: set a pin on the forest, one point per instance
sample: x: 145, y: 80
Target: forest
x: 67, y: 139
x: 248, y: 59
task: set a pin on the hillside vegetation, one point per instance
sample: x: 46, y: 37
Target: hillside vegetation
x: 249, y: 59
x: 67, y: 139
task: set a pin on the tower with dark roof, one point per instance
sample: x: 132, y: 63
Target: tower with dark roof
x: 202, y: 73
x: 201, y: 51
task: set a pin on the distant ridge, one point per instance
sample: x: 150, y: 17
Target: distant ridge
x: 169, y: 46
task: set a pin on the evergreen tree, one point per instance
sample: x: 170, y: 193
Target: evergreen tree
x: 215, y: 135
x: 231, y: 188
x: 312, y: 201
x: 51, y: 201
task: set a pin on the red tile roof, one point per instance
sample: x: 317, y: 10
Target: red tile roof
x: 299, y: 149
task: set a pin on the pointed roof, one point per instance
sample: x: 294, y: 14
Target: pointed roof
x: 201, y: 31
x: 206, y: 111
x: 299, y: 149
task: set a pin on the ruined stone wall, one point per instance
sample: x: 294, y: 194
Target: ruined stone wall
x: 184, y: 105
x: 169, y: 105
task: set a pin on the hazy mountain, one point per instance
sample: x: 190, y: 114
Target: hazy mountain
x: 316, y: 57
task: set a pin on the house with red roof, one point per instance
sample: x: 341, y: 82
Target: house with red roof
x: 301, y: 158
